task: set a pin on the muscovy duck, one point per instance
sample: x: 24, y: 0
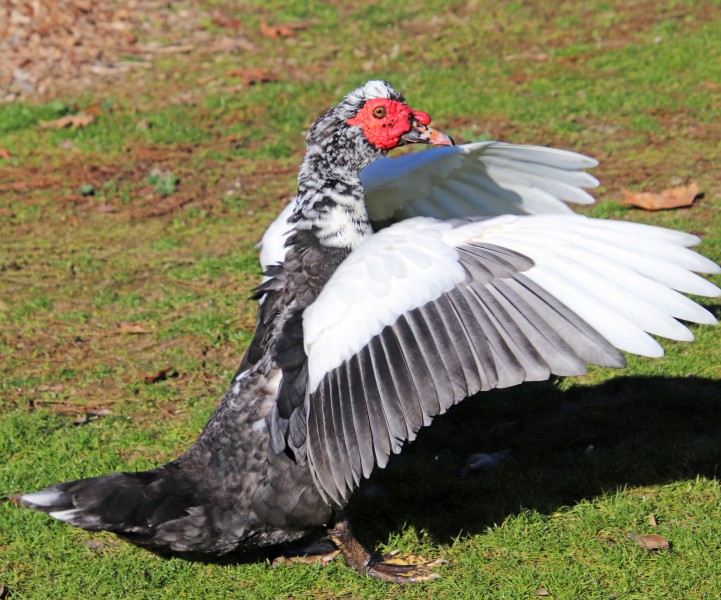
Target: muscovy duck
x: 364, y: 336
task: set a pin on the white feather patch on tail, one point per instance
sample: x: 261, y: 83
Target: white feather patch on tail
x: 43, y: 498
x: 66, y: 515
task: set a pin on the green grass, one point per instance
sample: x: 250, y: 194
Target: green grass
x: 637, y: 85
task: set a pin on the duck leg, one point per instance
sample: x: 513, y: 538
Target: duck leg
x: 390, y: 567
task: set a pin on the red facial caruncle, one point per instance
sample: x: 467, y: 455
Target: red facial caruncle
x: 384, y: 121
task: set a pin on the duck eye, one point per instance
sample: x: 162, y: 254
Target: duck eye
x: 379, y: 112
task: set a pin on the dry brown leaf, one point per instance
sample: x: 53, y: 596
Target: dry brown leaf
x: 4, y: 152
x: 132, y: 328
x: 275, y: 32
x: 81, y: 119
x: 284, y: 30
x: 162, y: 375
x: 221, y: 20
x: 650, y: 541
x: 652, y: 521
x: 253, y: 76
x: 676, y: 197
x: 94, y: 109
x: 541, y: 592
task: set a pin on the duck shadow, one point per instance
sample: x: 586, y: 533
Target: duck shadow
x: 565, y: 446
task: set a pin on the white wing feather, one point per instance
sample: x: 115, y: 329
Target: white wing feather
x: 619, y: 277
x: 412, y: 265
x: 504, y: 179
x: 272, y: 245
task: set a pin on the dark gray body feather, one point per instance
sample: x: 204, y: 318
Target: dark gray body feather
x: 223, y: 493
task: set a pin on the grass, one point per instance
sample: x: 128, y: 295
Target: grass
x: 171, y: 257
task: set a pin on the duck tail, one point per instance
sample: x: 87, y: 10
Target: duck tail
x: 145, y: 507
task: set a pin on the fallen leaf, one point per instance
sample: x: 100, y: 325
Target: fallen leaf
x: 282, y: 31
x: 650, y: 541
x: 81, y: 119
x: 4, y: 152
x: 652, y: 521
x: 131, y: 327
x: 676, y: 197
x: 94, y: 109
x: 541, y: 592
x: 222, y: 21
x: 275, y: 31
x: 253, y: 76
x: 162, y: 375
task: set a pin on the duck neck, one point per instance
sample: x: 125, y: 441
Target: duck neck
x: 331, y: 204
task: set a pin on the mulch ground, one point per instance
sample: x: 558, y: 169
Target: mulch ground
x: 52, y: 46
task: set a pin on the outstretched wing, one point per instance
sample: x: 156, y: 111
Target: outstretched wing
x: 426, y: 313
x: 483, y: 178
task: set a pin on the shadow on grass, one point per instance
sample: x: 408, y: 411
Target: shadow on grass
x: 565, y: 446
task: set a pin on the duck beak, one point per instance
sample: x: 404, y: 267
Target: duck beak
x: 424, y: 134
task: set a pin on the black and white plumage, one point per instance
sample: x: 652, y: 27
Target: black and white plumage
x: 482, y: 178
x: 365, y: 335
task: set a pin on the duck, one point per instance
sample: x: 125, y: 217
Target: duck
x: 394, y: 289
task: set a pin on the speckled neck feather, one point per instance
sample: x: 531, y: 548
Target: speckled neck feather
x: 330, y: 195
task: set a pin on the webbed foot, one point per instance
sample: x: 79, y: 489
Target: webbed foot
x: 403, y: 568
x: 395, y: 567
